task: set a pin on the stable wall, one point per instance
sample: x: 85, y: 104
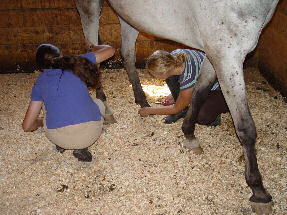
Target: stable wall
x: 27, y: 23
x: 272, y: 50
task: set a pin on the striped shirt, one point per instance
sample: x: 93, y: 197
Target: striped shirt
x: 192, y: 68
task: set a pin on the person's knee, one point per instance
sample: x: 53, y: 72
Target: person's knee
x: 203, y: 118
x: 206, y: 115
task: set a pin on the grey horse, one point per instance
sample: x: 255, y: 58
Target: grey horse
x: 226, y: 31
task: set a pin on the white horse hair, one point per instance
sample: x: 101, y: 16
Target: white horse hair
x: 225, y: 30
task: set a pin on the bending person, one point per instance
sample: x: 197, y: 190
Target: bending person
x: 180, y: 69
x: 73, y: 120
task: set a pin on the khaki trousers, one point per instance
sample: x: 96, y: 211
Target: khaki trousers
x: 78, y: 136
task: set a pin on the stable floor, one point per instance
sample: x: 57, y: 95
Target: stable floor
x: 139, y: 166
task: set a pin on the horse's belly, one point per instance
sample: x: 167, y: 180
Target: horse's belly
x: 167, y: 19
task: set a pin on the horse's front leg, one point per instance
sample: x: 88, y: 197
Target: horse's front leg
x: 89, y: 11
x: 203, y: 85
x: 230, y: 76
x: 128, y: 39
x: 101, y: 95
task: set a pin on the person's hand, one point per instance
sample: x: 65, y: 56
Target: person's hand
x: 88, y: 46
x: 31, y: 121
x: 144, y: 111
x: 168, y: 100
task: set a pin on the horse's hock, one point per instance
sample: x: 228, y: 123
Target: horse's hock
x: 26, y: 24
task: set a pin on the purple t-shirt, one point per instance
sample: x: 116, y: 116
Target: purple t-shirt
x: 66, y: 97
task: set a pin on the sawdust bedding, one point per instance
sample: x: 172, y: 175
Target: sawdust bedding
x: 139, y: 166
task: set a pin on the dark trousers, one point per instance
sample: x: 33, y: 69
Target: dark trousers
x: 213, y: 106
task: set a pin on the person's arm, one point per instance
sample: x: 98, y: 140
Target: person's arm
x: 102, y: 52
x: 169, y: 100
x: 31, y: 121
x: 181, y: 103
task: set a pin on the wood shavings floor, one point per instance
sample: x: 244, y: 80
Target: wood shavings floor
x: 139, y: 166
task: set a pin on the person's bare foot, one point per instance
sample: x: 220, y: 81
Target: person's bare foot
x: 197, y: 150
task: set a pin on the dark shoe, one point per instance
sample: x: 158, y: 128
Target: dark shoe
x: 83, y: 155
x: 174, y: 117
x: 216, y: 122
x: 59, y: 149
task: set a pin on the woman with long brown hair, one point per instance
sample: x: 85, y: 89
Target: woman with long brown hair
x: 73, y: 120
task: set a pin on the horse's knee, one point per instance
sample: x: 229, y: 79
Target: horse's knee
x: 246, y: 132
x: 206, y: 115
x: 202, y: 119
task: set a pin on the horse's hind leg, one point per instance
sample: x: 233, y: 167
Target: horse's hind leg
x: 230, y: 76
x: 203, y: 85
x: 128, y: 39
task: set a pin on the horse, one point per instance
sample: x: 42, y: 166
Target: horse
x: 226, y: 31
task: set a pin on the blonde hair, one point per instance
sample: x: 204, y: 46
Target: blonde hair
x: 162, y: 61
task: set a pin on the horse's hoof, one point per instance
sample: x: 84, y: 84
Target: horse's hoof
x: 262, y: 208
x: 192, y: 145
x: 197, y: 150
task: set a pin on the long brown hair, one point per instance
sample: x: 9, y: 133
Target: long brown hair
x: 49, y: 56
x: 87, y: 71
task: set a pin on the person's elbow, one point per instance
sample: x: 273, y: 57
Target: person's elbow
x: 112, y: 51
x: 175, y: 111
x: 105, y: 53
x: 109, y: 53
x: 179, y: 108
